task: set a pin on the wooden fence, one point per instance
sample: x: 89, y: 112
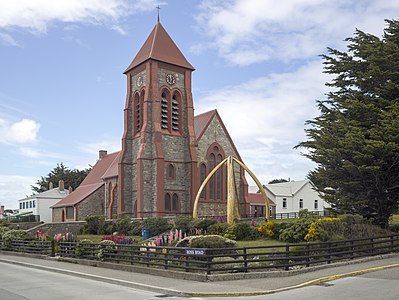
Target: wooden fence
x: 226, y: 260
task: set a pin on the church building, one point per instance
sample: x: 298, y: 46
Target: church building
x: 166, y: 151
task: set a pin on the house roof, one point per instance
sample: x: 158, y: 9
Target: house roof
x: 54, y: 193
x: 160, y: 46
x: 112, y: 170
x: 78, y: 195
x: 93, y: 181
x: 257, y: 198
x: 286, y: 188
x: 202, y: 121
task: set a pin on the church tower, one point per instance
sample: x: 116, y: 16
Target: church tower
x: 157, y: 172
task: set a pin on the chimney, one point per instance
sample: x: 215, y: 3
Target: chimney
x: 50, y: 185
x: 70, y: 189
x: 61, y: 185
x: 101, y: 154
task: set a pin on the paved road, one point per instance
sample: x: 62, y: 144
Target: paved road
x: 371, y: 286
x: 22, y: 283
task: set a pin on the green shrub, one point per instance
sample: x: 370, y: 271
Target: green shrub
x: 241, y: 232
x: 218, y: 229
x: 205, y: 223
x: 14, y: 235
x: 296, y: 232
x: 185, y: 223
x: 156, y: 225
x: 325, y: 229
x: 122, y: 226
x: 3, y: 230
x: 95, y: 224
x: 136, y: 227
x: 279, y: 227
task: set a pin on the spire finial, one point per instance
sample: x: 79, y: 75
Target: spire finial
x: 158, y: 11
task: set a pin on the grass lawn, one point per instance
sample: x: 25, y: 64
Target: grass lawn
x: 97, y: 238
x: 394, y: 219
x: 262, y: 242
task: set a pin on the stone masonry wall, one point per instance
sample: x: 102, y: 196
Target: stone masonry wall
x: 216, y: 134
x: 92, y: 205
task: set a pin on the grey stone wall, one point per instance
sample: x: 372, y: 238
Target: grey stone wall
x: 57, y: 214
x: 216, y: 134
x: 92, y: 205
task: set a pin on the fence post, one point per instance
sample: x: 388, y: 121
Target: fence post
x: 287, y: 253
x: 208, y: 262
x: 307, y: 256
x: 52, y: 248
x: 372, y: 246
x: 329, y: 253
x: 245, y: 260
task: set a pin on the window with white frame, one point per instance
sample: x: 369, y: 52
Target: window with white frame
x: 316, y: 204
x: 300, y: 203
x: 284, y: 202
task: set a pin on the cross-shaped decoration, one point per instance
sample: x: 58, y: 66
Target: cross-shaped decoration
x: 158, y: 11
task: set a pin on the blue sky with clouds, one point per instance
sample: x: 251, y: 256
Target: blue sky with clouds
x: 62, y: 91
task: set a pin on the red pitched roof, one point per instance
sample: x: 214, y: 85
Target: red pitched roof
x: 160, y: 46
x: 93, y: 180
x: 201, y: 122
x: 257, y: 198
x: 112, y: 171
x: 78, y: 195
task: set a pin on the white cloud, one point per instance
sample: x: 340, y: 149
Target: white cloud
x: 8, y: 40
x: 37, y: 16
x: 266, y: 117
x: 13, y: 188
x: 24, y: 131
x: 250, y: 31
x: 109, y: 144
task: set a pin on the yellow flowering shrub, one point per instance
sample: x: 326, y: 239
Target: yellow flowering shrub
x: 325, y: 229
x: 267, y: 228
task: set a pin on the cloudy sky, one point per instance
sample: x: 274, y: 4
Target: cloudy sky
x: 62, y: 90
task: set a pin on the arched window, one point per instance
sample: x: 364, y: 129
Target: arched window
x: 175, y: 202
x: 212, y: 181
x: 165, y: 110
x: 137, y: 114
x: 175, y: 113
x: 218, y: 182
x: 171, y: 171
x: 219, y: 178
x: 202, y: 178
x: 167, y: 202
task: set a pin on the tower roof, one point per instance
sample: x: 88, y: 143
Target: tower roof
x: 160, y: 46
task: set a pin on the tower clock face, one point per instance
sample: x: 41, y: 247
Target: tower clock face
x: 170, y: 79
x: 139, y: 81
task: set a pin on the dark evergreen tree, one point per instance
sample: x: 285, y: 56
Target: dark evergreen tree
x: 71, y: 178
x: 355, y: 140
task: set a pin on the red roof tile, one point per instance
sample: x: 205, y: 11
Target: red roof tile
x: 201, y: 122
x: 160, y: 46
x: 78, y: 195
x: 112, y: 171
x: 93, y: 181
x: 257, y: 198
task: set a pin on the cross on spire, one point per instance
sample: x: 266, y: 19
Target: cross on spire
x: 157, y: 7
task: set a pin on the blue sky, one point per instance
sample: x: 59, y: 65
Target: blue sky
x: 62, y: 91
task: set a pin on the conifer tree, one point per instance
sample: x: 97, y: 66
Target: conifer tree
x: 355, y: 139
